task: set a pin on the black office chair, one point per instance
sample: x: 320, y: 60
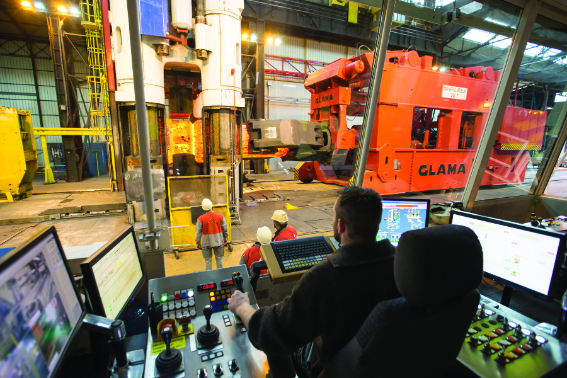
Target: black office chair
x: 437, y: 270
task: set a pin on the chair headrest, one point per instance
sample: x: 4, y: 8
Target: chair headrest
x: 436, y: 264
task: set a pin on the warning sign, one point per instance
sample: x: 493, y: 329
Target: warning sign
x: 177, y: 343
x: 456, y: 93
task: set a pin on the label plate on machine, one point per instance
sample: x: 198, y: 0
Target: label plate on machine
x: 456, y: 93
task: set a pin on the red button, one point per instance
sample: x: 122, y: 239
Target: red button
x: 177, y: 296
x: 498, y: 331
x: 518, y: 351
x: 526, y: 347
x: 511, y: 339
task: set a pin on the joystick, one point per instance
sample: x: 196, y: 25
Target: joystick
x: 209, y: 333
x: 532, y: 341
x: 238, y: 281
x: 518, y: 332
x: 481, y: 314
x: 217, y: 370
x: 474, y: 341
x: 533, y: 220
x: 501, y: 358
x: 169, y: 359
x: 232, y: 365
x: 487, y: 348
x: 505, y: 325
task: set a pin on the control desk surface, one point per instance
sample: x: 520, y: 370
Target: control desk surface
x: 493, y: 348
x: 188, y: 294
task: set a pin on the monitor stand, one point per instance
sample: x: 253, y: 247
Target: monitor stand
x: 506, y: 296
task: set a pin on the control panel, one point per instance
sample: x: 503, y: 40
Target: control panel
x: 558, y: 224
x: 192, y: 332
x: 503, y: 343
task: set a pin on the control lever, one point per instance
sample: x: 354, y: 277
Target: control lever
x: 238, y: 281
x: 169, y: 359
x: 505, y: 325
x: 209, y: 333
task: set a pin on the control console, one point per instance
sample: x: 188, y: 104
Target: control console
x: 192, y: 332
x: 504, y: 343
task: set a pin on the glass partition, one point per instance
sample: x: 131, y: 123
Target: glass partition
x: 533, y: 118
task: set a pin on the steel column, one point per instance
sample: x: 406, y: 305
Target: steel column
x: 386, y: 13
x: 501, y: 99
x: 141, y: 116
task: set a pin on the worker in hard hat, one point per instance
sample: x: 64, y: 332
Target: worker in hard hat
x: 283, y: 230
x: 252, y: 254
x: 212, y: 234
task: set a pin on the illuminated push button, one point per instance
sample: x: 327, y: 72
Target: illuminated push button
x: 190, y: 293
x: 211, y: 294
x: 178, y: 305
x: 177, y: 295
x: 495, y: 347
x: 183, y: 294
x: 171, y: 297
x: 526, y: 332
x: 511, y: 356
x: 184, y: 304
x: 471, y: 331
x: 171, y: 306
x: 518, y: 351
x: 191, y: 303
x: 193, y: 313
x: 165, y: 307
x: 541, y: 340
x: 163, y: 297
x: 498, y: 331
x: 213, y: 299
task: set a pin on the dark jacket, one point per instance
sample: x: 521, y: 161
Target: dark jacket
x: 329, y: 303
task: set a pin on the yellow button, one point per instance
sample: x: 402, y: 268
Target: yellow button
x: 212, y: 299
x: 510, y: 356
x: 495, y: 347
x: 212, y: 294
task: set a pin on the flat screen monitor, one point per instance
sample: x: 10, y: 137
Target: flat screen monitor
x: 40, y: 308
x: 400, y: 215
x: 520, y: 257
x: 114, y: 275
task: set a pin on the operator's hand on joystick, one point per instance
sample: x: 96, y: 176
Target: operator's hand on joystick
x: 237, y: 301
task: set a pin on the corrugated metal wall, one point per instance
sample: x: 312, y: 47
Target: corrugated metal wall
x: 17, y: 86
x: 287, y: 97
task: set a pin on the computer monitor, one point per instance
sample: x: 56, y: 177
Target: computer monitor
x: 400, y: 215
x: 114, y: 275
x: 40, y: 308
x: 520, y: 257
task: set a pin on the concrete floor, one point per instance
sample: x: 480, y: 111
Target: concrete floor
x: 62, y: 186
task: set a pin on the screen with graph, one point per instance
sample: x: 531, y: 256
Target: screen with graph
x: 117, y: 272
x: 521, y: 255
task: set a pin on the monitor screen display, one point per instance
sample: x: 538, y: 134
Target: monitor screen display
x: 39, y: 309
x: 515, y: 254
x: 401, y: 215
x: 117, y: 273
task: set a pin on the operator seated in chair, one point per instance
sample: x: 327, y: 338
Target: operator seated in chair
x: 331, y: 301
x: 283, y: 230
x: 252, y: 254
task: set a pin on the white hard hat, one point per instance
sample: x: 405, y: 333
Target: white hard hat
x: 280, y: 216
x: 264, y: 235
x: 207, y: 204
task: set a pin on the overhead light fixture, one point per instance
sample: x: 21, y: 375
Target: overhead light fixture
x: 269, y: 40
x: 278, y: 41
x: 26, y: 4
x: 253, y: 38
x: 62, y: 9
x: 74, y: 10
x: 435, y: 68
x: 244, y: 36
x: 486, y: 104
x: 39, y: 6
x: 443, y: 69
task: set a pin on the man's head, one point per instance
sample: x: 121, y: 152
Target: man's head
x: 264, y: 235
x: 206, y: 204
x: 280, y: 219
x: 356, y: 215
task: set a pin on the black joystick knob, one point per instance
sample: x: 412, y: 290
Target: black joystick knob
x: 474, y: 341
x: 209, y: 333
x: 169, y: 359
x: 532, y: 340
x: 518, y: 332
x: 505, y: 325
x: 481, y: 314
x: 501, y: 358
x: 238, y: 281
x: 202, y: 373
x: 217, y: 370
x: 232, y: 365
x: 486, y: 348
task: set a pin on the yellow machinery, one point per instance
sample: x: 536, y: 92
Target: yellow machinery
x: 18, y: 156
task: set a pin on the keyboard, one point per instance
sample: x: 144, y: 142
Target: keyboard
x: 301, y: 254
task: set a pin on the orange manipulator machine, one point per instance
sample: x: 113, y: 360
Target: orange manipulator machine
x: 426, y: 131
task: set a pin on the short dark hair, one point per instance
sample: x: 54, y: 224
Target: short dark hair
x: 361, y: 210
